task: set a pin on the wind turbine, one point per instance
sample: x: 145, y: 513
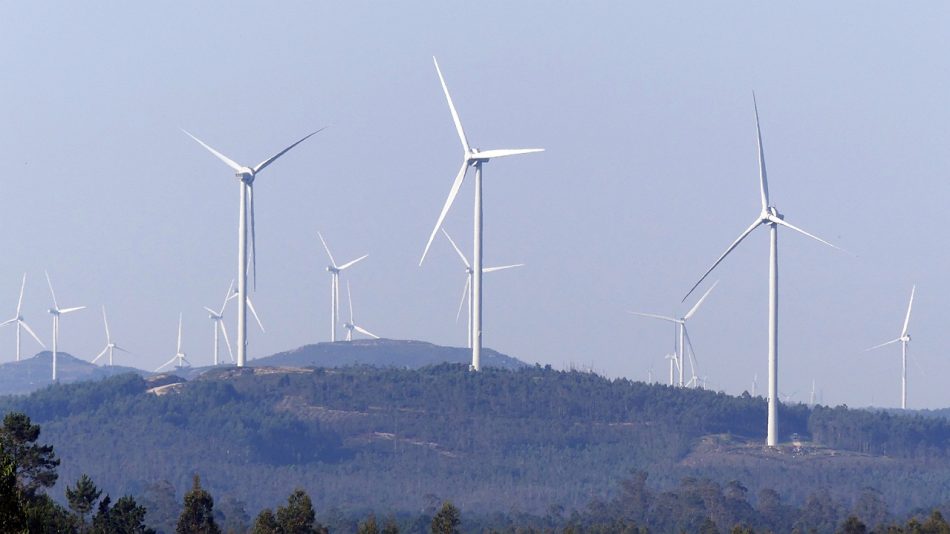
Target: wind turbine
x: 57, y: 312
x: 467, y: 291
x: 770, y: 217
x: 472, y: 157
x: 335, y: 271
x: 217, y: 323
x: 351, y: 326
x: 179, y: 355
x: 20, y: 322
x: 683, y: 336
x: 246, y: 176
x: 904, y: 340
x: 111, y: 347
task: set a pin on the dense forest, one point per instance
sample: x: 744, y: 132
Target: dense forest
x: 534, y: 445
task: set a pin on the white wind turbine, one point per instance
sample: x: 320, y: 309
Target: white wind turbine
x: 111, y: 347
x: 179, y: 355
x: 351, y: 326
x: 904, y: 340
x: 680, y: 358
x: 335, y: 271
x: 770, y: 217
x: 467, y: 291
x: 472, y: 157
x: 217, y: 323
x: 57, y: 312
x: 20, y: 322
x: 246, y: 176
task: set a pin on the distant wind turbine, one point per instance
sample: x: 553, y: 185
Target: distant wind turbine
x: 57, y: 312
x: 472, y: 157
x: 179, y: 356
x: 217, y: 324
x: 467, y: 291
x: 351, y: 326
x: 769, y: 216
x: 111, y: 347
x: 683, y: 337
x: 20, y: 322
x: 246, y: 176
x: 904, y: 340
x: 335, y: 271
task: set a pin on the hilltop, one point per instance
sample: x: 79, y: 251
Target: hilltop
x: 364, y: 437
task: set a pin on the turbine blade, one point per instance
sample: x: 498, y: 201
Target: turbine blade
x: 70, y: 310
x: 51, y: 292
x: 234, y: 166
x: 101, y: 354
x: 160, y: 367
x: 690, y: 352
x: 365, y: 332
x: 326, y: 248
x: 455, y: 115
x: 227, y: 297
x: 457, y: 249
x: 250, y: 191
x: 909, y: 306
x: 763, y: 179
x: 32, y: 333
x: 262, y: 165
x: 179, y: 332
x: 500, y: 153
x: 106, y: 322
x: 121, y: 349
x: 250, y: 306
x: 445, y: 208
x: 654, y: 316
x: 790, y: 226
x: 734, y: 244
x: 214, y: 314
x: 19, y: 302
x: 883, y: 344
x: 349, y: 298
x: 501, y: 268
x: 345, y: 265
x: 227, y: 342
x: 700, y: 301
x: 10, y: 321
x: 468, y: 283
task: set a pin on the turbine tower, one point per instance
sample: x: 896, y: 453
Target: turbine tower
x: 472, y: 157
x: 179, y: 355
x: 246, y: 176
x: 904, y: 340
x: 111, y: 347
x: 467, y: 291
x: 335, y: 271
x: 351, y: 326
x: 57, y: 312
x: 769, y: 216
x: 683, y: 335
x: 20, y: 322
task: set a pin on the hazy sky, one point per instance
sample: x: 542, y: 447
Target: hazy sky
x: 650, y: 172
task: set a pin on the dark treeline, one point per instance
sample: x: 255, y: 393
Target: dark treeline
x: 365, y: 439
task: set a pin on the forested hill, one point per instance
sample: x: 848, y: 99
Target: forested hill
x: 497, y: 440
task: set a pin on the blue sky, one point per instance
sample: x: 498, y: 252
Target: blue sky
x: 650, y: 172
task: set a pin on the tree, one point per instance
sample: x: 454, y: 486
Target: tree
x: 390, y: 527
x: 298, y: 516
x: 265, y: 523
x: 126, y: 517
x: 197, y: 517
x: 369, y: 526
x: 35, y: 464
x: 12, y: 516
x: 853, y: 525
x: 447, y: 520
x: 82, y: 498
x: 161, y: 505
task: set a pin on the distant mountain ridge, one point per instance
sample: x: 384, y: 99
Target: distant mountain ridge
x: 34, y: 373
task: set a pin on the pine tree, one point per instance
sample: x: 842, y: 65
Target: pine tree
x: 265, y: 523
x: 369, y: 526
x: 82, y: 498
x: 298, y: 516
x: 197, y: 517
x: 35, y: 465
x: 12, y: 515
x: 447, y: 520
